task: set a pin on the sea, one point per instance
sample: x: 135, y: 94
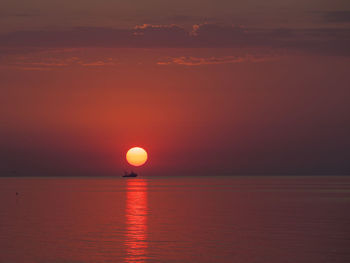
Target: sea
x: 240, y: 219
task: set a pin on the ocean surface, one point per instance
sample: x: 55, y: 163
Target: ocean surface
x: 247, y: 219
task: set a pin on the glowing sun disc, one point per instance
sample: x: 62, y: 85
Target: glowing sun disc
x: 136, y: 156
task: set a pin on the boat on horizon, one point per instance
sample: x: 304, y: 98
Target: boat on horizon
x: 132, y: 174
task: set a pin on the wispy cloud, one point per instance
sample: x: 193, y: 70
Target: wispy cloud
x: 42, y: 64
x: 54, y: 59
x: 151, y: 26
x: 99, y: 63
x: 198, y: 61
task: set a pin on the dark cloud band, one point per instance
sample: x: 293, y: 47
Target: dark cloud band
x: 325, y: 40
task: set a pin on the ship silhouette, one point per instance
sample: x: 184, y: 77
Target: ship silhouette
x: 132, y: 174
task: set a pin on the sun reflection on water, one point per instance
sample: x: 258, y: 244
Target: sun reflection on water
x: 136, y: 220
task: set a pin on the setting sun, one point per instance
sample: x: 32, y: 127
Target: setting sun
x: 136, y: 156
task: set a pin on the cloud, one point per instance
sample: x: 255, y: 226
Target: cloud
x: 198, y: 61
x: 43, y: 64
x: 150, y: 26
x: 52, y: 59
x: 99, y: 63
x: 329, y: 41
x: 182, y: 19
x: 148, y: 35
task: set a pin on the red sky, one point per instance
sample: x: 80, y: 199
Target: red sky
x: 205, y: 87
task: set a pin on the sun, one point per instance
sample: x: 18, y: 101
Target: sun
x: 136, y: 156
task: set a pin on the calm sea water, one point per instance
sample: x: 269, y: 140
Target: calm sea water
x: 175, y: 219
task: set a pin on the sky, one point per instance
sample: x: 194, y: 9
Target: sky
x: 206, y: 87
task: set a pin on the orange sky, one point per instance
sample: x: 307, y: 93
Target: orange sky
x: 202, y: 98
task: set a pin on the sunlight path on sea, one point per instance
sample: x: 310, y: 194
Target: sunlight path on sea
x: 136, y: 220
